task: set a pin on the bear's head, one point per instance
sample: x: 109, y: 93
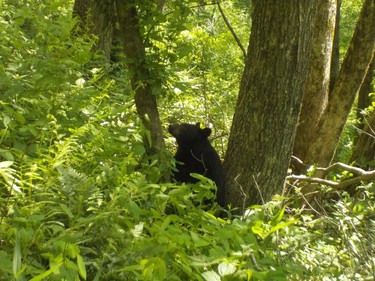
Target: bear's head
x: 187, y: 134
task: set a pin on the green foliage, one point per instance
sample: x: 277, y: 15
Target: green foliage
x: 80, y: 200
x: 337, y: 245
x: 195, y: 63
x: 204, y: 81
x: 349, y: 14
x: 40, y: 60
x: 350, y: 10
x: 346, y: 143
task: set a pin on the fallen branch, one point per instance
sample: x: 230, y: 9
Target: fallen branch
x: 312, y: 180
x: 360, y: 175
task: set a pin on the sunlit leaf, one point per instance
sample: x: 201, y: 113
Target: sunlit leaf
x: 211, y: 276
x: 226, y: 268
x: 81, y: 267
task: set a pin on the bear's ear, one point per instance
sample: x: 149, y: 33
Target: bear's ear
x: 198, y: 125
x: 206, y: 132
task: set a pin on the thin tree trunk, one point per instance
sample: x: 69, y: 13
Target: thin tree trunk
x: 364, y: 99
x: 316, y: 94
x: 335, y: 60
x: 352, y: 73
x: 364, y: 149
x: 141, y: 80
x: 97, y: 17
x: 263, y: 128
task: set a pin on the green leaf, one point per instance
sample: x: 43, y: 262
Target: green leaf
x: 226, y: 268
x: 139, y: 149
x: 211, y: 276
x: 279, y: 226
x: 178, y: 192
x: 258, y: 228
x: 81, y: 267
x: 67, y: 210
x: 45, y: 274
x: 154, y: 269
x: 17, y: 257
x: 279, y: 216
x: 134, y: 209
x: 6, y: 120
x: 5, y: 262
x: 19, y: 117
x: 358, y: 209
x: 198, y: 240
x: 5, y: 164
x: 138, y: 230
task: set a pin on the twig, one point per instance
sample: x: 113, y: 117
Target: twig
x: 254, y: 261
x: 243, y: 193
x: 231, y: 29
x: 199, y: 160
x: 260, y: 192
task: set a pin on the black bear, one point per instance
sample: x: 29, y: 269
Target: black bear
x: 196, y: 155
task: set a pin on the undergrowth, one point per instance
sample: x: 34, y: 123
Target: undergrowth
x: 112, y: 223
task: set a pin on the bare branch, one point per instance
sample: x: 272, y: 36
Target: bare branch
x: 360, y: 175
x: 231, y: 29
x: 312, y: 180
x: 338, y: 165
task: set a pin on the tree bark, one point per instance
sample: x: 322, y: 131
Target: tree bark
x: 141, y: 80
x: 364, y: 99
x: 97, y: 16
x: 263, y: 127
x: 316, y: 94
x: 335, y: 60
x: 353, y: 70
x: 364, y: 149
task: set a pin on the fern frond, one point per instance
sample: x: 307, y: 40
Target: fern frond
x: 9, y: 177
x: 78, y: 191
x: 70, y: 148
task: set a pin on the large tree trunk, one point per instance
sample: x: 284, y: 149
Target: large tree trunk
x: 353, y: 70
x: 316, y: 94
x: 98, y: 18
x: 141, y: 80
x: 263, y: 128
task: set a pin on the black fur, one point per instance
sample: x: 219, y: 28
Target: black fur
x: 197, y: 155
